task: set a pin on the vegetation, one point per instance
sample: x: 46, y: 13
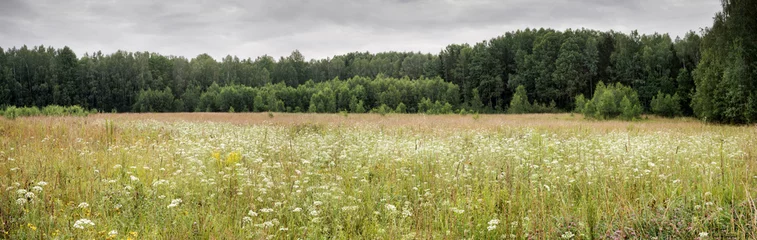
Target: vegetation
x: 716, y: 82
x: 726, y: 84
x: 400, y: 176
x: 609, y: 102
x: 666, y: 105
x: 553, y: 66
x: 52, y: 110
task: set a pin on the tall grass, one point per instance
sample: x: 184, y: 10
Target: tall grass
x: 181, y: 180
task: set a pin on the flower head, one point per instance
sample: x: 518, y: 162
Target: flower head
x: 390, y: 207
x: 174, y: 203
x: 83, y: 223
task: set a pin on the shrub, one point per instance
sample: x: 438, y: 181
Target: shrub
x: 13, y: 112
x: 580, y: 103
x: 154, y: 101
x: 666, y: 105
x: 382, y: 110
x: 401, y: 108
x: 519, y: 104
x: 609, y: 102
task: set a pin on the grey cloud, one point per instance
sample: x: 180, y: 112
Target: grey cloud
x: 321, y: 28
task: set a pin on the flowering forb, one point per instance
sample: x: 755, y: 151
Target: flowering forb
x: 83, y: 223
x: 174, y: 203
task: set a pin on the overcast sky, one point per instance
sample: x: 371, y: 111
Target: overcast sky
x: 321, y: 28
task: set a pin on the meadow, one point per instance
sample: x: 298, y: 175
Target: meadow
x: 367, y: 176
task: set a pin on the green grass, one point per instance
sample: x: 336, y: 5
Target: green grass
x: 315, y: 181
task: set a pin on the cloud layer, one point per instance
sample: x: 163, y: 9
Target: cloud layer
x: 321, y: 28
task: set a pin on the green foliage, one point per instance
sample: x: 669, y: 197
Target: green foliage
x: 155, y: 101
x: 714, y: 82
x: 475, y: 103
x: 437, y: 107
x: 666, y: 105
x: 401, y: 108
x: 726, y: 77
x: 382, y: 110
x: 13, y: 112
x: 610, y: 102
x: 519, y: 104
x: 543, y: 108
x: 580, y: 103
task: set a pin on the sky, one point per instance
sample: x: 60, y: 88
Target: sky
x: 322, y: 28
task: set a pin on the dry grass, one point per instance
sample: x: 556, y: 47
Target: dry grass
x: 420, y: 121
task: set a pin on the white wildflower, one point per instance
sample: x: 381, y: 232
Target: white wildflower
x: 494, y: 221
x: 568, y: 235
x: 37, y: 189
x: 252, y: 213
x: 21, y: 201
x: 41, y: 183
x: 458, y: 211
x: 266, y: 210
x: 112, y: 233
x: 174, y: 203
x: 407, y: 213
x: 349, y: 208
x: 133, y: 178
x: 159, y: 182
x: 297, y: 210
x: 82, y: 223
x: 703, y: 234
x: 247, y: 219
x: 83, y: 205
x: 391, y: 208
x: 314, y: 213
x: 267, y: 224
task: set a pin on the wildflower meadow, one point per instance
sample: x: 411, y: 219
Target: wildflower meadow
x: 364, y: 176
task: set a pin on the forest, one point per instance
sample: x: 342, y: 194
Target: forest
x: 709, y: 74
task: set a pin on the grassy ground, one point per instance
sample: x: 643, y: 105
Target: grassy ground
x: 289, y: 176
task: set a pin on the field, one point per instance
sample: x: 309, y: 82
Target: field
x: 365, y: 176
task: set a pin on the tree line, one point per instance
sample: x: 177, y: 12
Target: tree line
x: 710, y: 75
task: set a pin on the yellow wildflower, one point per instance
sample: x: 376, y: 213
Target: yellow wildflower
x: 233, y: 158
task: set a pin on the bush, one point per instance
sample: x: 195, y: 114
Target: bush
x: 580, y: 103
x: 666, y: 105
x: 154, y: 101
x: 519, y: 104
x: 609, y: 102
x: 382, y: 110
x: 13, y: 112
x: 542, y: 108
x: 401, y: 108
